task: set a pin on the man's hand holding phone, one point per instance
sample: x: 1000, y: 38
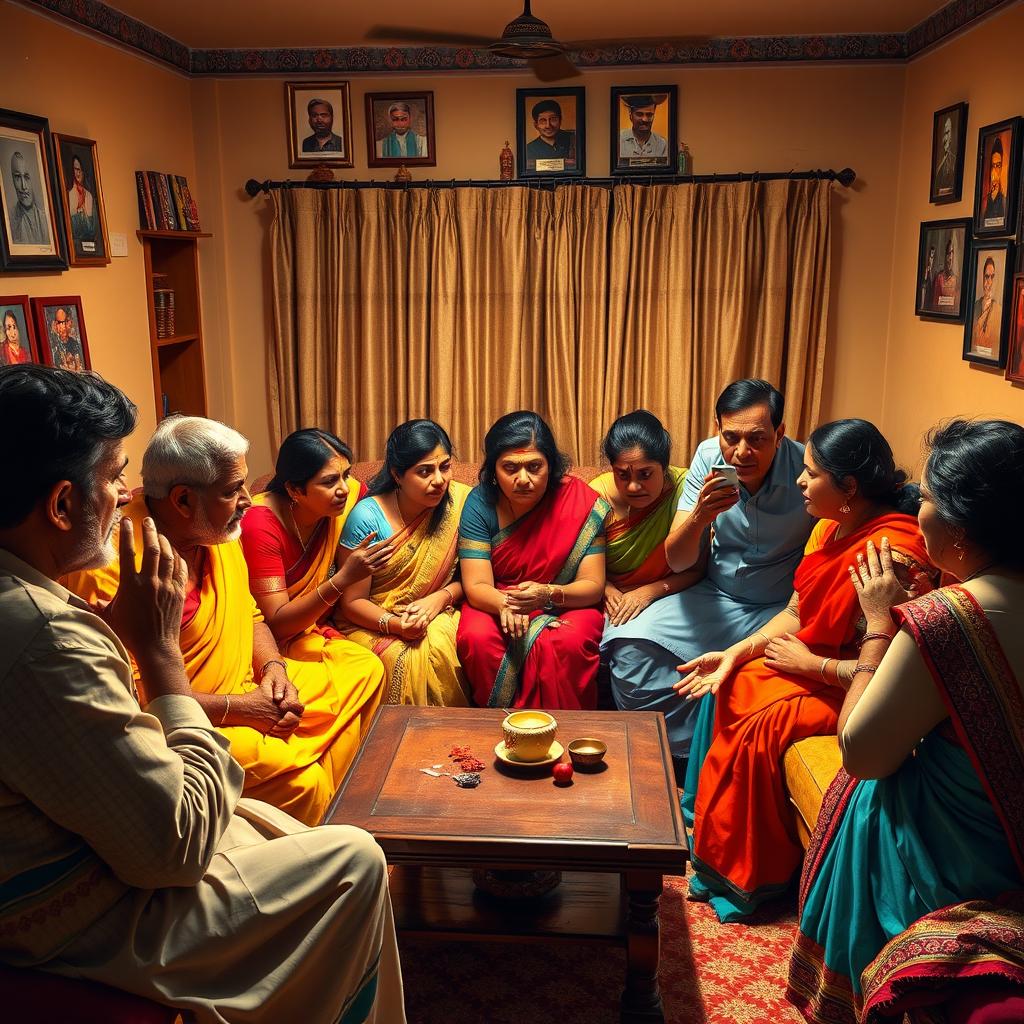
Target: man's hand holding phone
x: 720, y: 492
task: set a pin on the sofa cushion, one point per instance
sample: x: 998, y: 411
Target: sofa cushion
x: 809, y: 766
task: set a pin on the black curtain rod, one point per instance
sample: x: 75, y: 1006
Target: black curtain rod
x: 845, y: 177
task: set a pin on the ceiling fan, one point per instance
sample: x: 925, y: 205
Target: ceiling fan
x: 524, y: 38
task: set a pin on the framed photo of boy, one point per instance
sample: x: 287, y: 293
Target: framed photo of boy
x: 1015, y: 350
x: 551, y: 132
x: 17, y: 339
x: 949, y: 137
x: 400, y: 129
x: 60, y: 327
x: 84, y: 214
x: 995, y: 198
x: 988, y: 320
x: 319, y: 124
x: 31, y: 222
x: 941, y: 255
x: 643, y: 129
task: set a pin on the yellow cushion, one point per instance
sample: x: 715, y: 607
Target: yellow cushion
x: 809, y: 766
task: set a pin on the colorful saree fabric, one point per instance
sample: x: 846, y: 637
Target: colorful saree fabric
x: 549, y: 667
x: 424, y: 671
x: 636, y: 544
x: 300, y: 773
x: 947, y: 826
x: 745, y: 845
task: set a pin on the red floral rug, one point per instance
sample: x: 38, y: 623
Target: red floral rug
x: 710, y: 973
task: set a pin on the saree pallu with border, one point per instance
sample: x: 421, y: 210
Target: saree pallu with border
x: 555, y: 664
x: 925, y: 945
x: 299, y: 773
x: 745, y: 847
x: 424, y: 671
x: 636, y: 546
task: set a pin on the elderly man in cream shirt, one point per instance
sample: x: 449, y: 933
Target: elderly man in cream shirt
x: 128, y: 856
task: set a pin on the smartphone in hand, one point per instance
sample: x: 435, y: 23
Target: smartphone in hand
x: 726, y: 474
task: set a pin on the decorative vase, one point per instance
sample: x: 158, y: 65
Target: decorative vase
x: 506, y: 164
x: 321, y: 173
x: 403, y: 174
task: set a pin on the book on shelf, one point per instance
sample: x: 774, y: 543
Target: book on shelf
x: 167, y: 202
x: 146, y: 218
x: 188, y: 203
x: 160, y: 214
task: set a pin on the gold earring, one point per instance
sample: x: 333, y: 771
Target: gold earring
x: 845, y: 508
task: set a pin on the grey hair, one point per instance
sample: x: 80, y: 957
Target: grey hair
x: 399, y: 105
x: 190, y: 450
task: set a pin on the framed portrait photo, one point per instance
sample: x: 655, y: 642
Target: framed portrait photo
x: 995, y: 198
x: 551, y: 132
x: 17, y: 338
x: 949, y: 137
x: 31, y: 222
x: 643, y: 129
x: 60, y: 328
x: 400, y: 129
x: 941, y: 255
x: 84, y: 216
x: 319, y: 124
x: 988, y: 316
x: 1015, y: 349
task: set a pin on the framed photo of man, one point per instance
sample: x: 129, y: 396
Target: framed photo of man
x: 987, y: 325
x: 60, y: 326
x: 319, y: 124
x: 995, y: 198
x: 1015, y: 348
x: 400, y: 129
x: 949, y: 137
x: 643, y: 129
x: 941, y: 255
x: 31, y: 228
x: 551, y: 132
x: 84, y: 216
x: 17, y: 339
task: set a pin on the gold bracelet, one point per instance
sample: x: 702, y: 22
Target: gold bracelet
x: 334, y: 586
x: 321, y: 596
x: 767, y: 638
x: 858, y: 668
x: 268, y: 663
x: 561, y: 596
x: 875, y: 636
x: 821, y: 671
x: 451, y: 598
x: 227, y: 708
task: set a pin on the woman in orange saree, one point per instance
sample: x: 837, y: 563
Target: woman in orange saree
x: 787, y: 681
x: 406, y: 611
x: 531, y: 550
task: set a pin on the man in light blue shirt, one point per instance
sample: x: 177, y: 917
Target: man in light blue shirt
x: 758, y: 537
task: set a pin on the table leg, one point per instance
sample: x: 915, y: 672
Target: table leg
x: 641, y: 998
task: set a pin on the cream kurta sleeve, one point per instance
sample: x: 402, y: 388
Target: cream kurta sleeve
x: 151, y: 792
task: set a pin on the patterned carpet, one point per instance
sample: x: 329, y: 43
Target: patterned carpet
x: 710, y: 974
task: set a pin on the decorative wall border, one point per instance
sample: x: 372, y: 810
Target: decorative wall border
x: 119, y: 28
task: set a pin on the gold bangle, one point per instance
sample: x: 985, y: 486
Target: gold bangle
x: 321, y: 596
x: 858, y: 668
x: 824, y: 663
x: 451, y: 598
x: 560, y: 600
x: 334, y: 586
x: 227, y: 708
x: 268, y: 663
x: 875, y: 636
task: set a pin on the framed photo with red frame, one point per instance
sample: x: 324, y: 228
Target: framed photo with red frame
x: 17, y: 336
x: 1015, y: 351
x: 60, y: 330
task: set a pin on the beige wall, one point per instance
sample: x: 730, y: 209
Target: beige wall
x: 882, y: 362
x: 141, y: 118
x: 925, y: 378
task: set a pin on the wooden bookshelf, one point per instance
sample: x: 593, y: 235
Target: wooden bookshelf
x: 172, y: 261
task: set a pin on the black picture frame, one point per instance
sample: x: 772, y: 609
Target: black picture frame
x: 382, y: 128
x: 31, y: 237
x: 949, y: 139
x: 1004, y: 137
x: 568, y: 157
x: 940, y: 288
x: 986, y: 329
x: 627, y: 155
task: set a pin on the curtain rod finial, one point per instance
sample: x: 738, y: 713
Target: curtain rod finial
x: 847, y: 176
x: 254, y: 188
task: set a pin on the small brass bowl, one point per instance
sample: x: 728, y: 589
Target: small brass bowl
x: 587, y: 753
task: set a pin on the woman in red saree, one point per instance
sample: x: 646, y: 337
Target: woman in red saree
x: 912, y: 896
x: 787, y: 680
x: 531, y: 551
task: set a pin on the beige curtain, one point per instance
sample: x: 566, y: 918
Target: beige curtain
x: 463, y: 304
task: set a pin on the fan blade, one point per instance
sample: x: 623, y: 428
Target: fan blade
x: 407, y: 34
x: 551, y: 69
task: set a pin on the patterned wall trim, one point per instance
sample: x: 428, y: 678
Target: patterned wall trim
x: 119, y: 28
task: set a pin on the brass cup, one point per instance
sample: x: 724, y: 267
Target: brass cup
x: 528, y: 735
x: 587, y: 753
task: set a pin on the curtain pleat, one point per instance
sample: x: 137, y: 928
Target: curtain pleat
x: 581, y: 303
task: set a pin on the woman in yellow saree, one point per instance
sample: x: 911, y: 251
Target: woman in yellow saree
x: 405, y: 613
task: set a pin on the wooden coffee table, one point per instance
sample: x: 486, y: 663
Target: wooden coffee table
x: 614, y: 833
